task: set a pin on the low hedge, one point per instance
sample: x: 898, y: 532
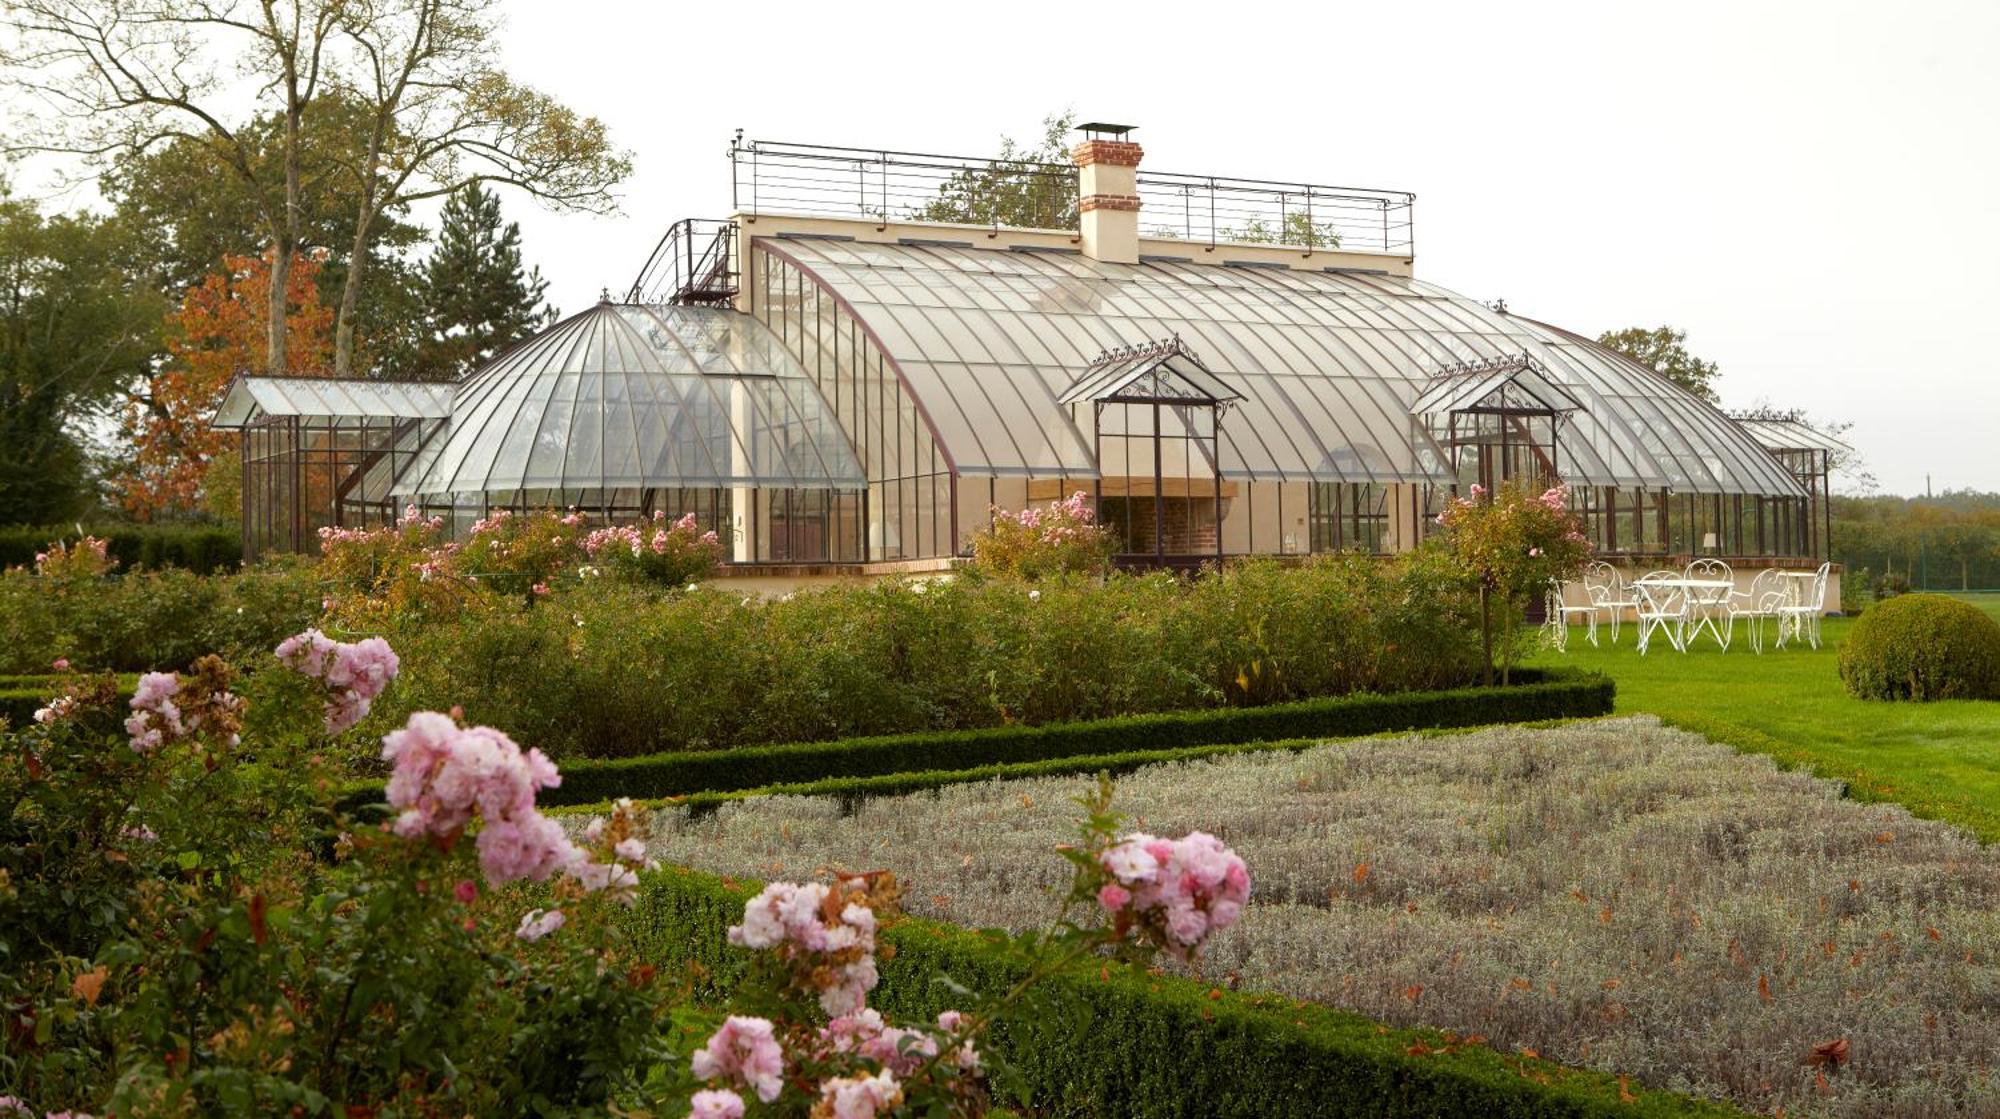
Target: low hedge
x: 1120, y: 1041
x: 1541, y: 694
x: 899, y: 784
x: 21, y: 696
x: 202, y: 549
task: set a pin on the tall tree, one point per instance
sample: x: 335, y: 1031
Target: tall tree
x: 479, y: 297
x: 1663, y: 350
x: 443, y: 116
x: 104, y: 78
x: 196, y: 213
x: 74, y: 327
x: 101, y: 78
x: 1017, y: 187
x: 212, y: 337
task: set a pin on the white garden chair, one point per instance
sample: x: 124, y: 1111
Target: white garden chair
x: 1662, y: 606
x: 1801, y: 619
x: 1608, y: 593
x: 1560, y: 614
x: 1763, y: 600
x: 1708, y: 607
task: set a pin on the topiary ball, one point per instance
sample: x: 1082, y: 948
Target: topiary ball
x: 1922, y: 647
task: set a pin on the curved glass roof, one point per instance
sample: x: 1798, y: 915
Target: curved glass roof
x: 1329, y: 363
x: 249, y: 398
x: 638, y: 396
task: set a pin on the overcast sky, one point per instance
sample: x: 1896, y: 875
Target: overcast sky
x: 1808, y: 189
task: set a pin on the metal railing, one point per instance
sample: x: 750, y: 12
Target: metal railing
x: 884, y: 186
x: 694, y: 263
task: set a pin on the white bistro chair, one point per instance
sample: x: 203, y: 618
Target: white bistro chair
x: 1762, y: 601
x: 1801, y: 618
x: 1560, y: 613
x: 1608, y: 593
x: 1662, y: 606
x: 1708, y: 607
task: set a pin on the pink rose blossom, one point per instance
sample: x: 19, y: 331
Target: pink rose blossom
x: 861, y: 1097
x: 536, y: 924
x: 467, y: 891
x: 715, y: 1103
x: 746, y: 1050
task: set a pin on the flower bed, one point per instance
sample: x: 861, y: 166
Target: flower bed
x: 1615, y: 895
x: 1125, y: 1041
x: 899, y: 763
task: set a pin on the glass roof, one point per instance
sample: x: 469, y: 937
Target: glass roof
x: 1784, y: 434
x: 249, y: 398
x: 639, y: 396
x: 1328, y: 362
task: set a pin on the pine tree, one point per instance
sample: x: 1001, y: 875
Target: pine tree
x: 479, y: 298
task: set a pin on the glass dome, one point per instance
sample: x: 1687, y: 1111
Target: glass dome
x: 626, y: 396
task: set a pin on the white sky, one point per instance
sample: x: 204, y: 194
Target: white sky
x: 1808, y: 189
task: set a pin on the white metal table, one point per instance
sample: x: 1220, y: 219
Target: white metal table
x: 1707, y: 607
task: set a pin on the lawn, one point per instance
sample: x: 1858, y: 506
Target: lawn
x: 1942, y: 760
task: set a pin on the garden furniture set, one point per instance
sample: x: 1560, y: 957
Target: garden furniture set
x: 1682, y: 604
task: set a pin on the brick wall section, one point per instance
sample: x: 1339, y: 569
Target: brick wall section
x: 1117, y: 153
x: 1091, y: 202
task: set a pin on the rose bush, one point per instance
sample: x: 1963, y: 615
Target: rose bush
x: 1512, y: 545
x: 191, y: 928
x: 1061, y: 538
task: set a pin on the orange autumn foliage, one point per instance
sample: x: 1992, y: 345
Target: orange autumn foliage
x: 217, y: 333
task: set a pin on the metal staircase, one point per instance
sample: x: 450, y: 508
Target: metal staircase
x: 694, y: 264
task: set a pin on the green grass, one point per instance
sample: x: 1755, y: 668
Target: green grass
x: 1940, y: 760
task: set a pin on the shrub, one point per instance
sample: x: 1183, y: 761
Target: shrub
x: 672, y: 555
x: 605, y: 669
x: 1890, y: 584
x: 1063, y: 538
x: 202, y: 549
x: 1922, y: 647
x: 144, y: 620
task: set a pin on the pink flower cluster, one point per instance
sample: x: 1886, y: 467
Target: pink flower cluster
x: 745, y: 1050
x: 1060, y: 521
x: 900, y: 1050
x: 841, y: 946
x: 13, y: 1106
x: 354, y: 673
x: 860, y: 1097
x: 90, y: 556
x: 637, y: 540
x: 61, y: 707
x: 158, y: 717
x: 445, y: 774
x: 1189, y: 888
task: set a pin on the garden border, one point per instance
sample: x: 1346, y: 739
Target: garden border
x: 1550, y: 694
x: 1161, y: 1046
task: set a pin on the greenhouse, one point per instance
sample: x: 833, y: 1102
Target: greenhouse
x: 854, y: 372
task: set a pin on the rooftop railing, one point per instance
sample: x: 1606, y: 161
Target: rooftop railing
x: 884, y: 186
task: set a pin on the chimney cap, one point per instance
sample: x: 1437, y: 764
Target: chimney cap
x: 1096, y: 128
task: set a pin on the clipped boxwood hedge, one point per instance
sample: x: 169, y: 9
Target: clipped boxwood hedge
x: 1121, y: 1041
x: 202, y: 549
x: 1922, y: 647
x: 1552, y: 694
x: 20, y: 696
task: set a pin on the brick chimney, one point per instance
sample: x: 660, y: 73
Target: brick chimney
x: 1107, y: 202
